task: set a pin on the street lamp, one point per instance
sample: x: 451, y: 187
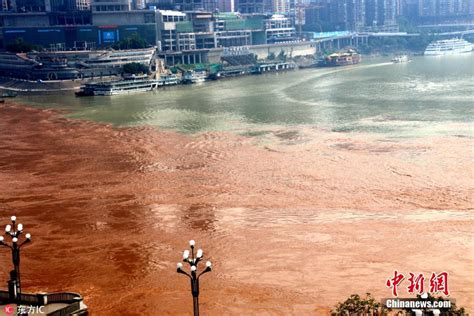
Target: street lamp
x: 193, y: 260
x: 14, y: 231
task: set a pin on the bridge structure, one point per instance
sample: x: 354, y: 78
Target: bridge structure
x: 338, y: 40
x: 447, y: 25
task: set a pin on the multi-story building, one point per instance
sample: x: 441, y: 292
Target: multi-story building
x: 189, y: 5
x: 334, y: 15
x: 443, y: 8
x: 355, y: 15
x: 226, y: 5
x: 254, y: 6
x: 67, y: 5
x: 280, y: 6
x: 73, y: 30
x: 427, y: 7
x: 279, y: 28
x: 409, y: 9
x: 196, y: 5
x: 202, y: 23
x: 169, y: 24
x: 30, y: 6
x: 381, y: 15
x: 235, y: 30
x: 24, y: 6
x: 111, y: 5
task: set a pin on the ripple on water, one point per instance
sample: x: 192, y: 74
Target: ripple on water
x: 276, y: 217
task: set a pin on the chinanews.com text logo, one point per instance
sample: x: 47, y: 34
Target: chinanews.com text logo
x: 437, y: 283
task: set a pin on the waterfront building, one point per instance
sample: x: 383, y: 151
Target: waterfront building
x: 111, y: 5
x: 175, y: 31
x: 202, y: 23
x: 380, y: 15
x: 409, y: 9
x: 159, y: 4
x: 71, y: 64
x: 109, y: 27
x: 186, y: 5
x: 196, y: 5
x: 67, y: 5
x: 314, y: 15
x: 30, y: 6
x: 8, y: 6
x: 278, y: 28
x: 254, y: 6
x: 226, y: 5
x: 233, y: 29
x: 54, y: 29
x: 202, y: 30
x: 355, y: 15
x: 280, y: 6
x: 444, y: 8
x: 335, y: 15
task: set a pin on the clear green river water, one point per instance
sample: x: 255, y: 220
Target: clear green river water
x: 428, y: 96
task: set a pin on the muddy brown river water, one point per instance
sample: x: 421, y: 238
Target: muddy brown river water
x: 294, y: 221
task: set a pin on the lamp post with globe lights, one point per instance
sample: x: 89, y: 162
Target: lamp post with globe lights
x: 193, y: 260
x: 14, y: 231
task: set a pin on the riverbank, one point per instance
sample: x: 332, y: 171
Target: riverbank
x: 27, y: 87
x: 43, y: 87
x: 334, y: 213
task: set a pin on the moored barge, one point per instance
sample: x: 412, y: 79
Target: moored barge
x: 350, y: 57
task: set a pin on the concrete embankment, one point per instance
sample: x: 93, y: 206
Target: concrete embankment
x: 34, y: 87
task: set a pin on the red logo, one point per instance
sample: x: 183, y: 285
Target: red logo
x: 8, y: 309
x: 438, y: 283
x: 394, y: 282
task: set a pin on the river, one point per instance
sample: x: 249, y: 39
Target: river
x: 302, y: 188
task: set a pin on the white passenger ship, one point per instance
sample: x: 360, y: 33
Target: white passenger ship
x: 132, y: 84
x: 448, y: 47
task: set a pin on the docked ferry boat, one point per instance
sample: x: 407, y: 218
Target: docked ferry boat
x: 128, y: 85
x: 194, y: 76
x: 265, y: 67
x: 448, y: 47
x: 168, y: 80
x: 350, y: 57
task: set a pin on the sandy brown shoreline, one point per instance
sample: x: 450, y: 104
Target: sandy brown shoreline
x: 294, y: 221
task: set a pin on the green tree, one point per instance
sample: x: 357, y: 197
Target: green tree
x: 132, y: 42
x: 135, y: 68
x: 271, y: 56
x: 356, y: 305
x: 20, y: 46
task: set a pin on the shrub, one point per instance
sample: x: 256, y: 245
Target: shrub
x: 135, y: 68
x: 20, y: 46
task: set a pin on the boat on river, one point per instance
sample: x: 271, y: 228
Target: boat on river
x: 128, y: 85
x: 350, y: 57
x: 452, y: 46
x: 400, y: 59
x: 168, y: 80
x: 194, y: 76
